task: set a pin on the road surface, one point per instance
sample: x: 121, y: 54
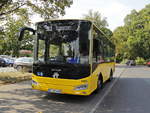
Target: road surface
x: 129, y: 92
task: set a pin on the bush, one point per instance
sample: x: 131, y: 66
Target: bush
x: 124, y: 61
x: 140, y: 61
x: 119, y: 58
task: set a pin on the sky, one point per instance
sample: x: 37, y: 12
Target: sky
x: 113, y: 10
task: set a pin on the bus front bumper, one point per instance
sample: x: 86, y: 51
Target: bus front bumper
x: 62, y: 89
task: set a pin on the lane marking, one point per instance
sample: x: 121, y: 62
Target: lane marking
x: 106, y: 93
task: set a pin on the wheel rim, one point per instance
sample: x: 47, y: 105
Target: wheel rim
x: 19, y: 68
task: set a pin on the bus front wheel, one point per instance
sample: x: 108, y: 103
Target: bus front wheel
x: 99, y: 84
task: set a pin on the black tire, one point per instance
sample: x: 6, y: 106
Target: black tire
x: 19, y: 68
x: 110, y: 76
x: 99, y: 84
x: 4, y: 65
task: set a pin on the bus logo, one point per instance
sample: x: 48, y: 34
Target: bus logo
x: 55, y: 75
x: 58, y: 70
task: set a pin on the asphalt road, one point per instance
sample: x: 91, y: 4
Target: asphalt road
x: 129, y: 92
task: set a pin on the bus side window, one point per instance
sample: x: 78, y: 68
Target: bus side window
x: 97, y: 52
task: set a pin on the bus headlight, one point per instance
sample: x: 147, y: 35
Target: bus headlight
x: 34, y: 82
x: 81, y: 87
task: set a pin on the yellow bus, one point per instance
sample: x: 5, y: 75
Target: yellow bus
x: 70, y: 57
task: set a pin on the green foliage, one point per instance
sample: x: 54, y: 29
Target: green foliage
x: 45, y: 8
x: 15, y: 14
x: 140, y: 61
x: 54, y: 50
x: 25, y: 55
x: 119, y: 58
x: 133, y: 39
x: 107, y: 32
x: 8, y: 35
x: 49, y: 8
x: 124, y: 61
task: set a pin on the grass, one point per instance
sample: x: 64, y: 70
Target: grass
x: 13, y: 77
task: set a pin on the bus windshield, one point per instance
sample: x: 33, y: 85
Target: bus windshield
x: 63, y: 42
x: 62, y: 52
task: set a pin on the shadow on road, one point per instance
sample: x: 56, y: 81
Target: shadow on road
x: 26, y: 100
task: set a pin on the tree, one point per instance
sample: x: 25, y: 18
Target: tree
x: 108, y: 33
x: 8, y: 36
x: 96, y: 18
x: 2, y: 40
x: 12, y: 45
x: 15, y: 14
x: 100, y: 22
x: 45, y: 8
x: 120, y: 40
x: 133, y: 39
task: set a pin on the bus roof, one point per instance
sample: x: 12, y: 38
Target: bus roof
x: 70, y: 20
x: 64, y: 20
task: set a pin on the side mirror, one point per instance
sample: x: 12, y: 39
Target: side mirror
x: 22, y: 30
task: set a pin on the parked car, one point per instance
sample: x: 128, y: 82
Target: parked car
x: 23, y: 63
x: 9, y: 61
x: 2, y: 62
x: 130, y: 63
x: 148, y: 63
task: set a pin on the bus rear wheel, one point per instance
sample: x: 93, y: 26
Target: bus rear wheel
x: 110, y: 76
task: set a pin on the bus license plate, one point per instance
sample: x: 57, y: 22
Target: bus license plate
x: 54, y: 91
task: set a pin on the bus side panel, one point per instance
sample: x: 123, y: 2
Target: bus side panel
x: 104, y: 69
